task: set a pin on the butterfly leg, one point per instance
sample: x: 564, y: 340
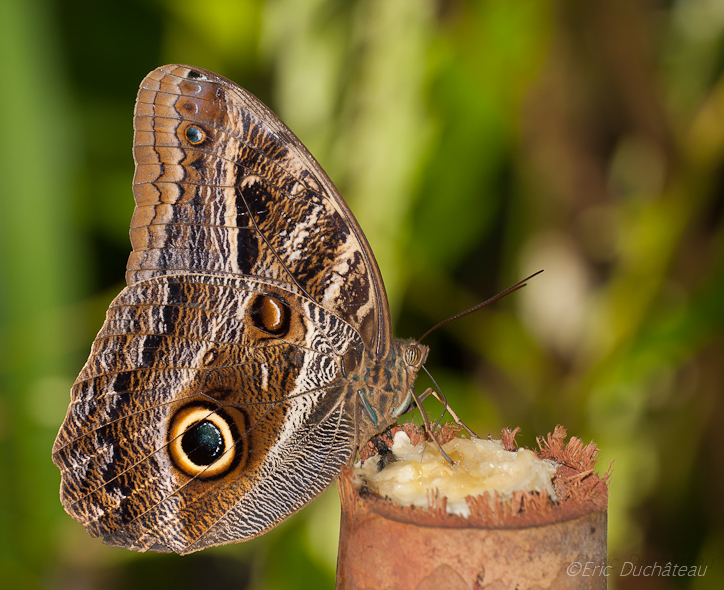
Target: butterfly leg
x: 353, y: 456
x: 446, y: 408
x: 423, y: 396
x: 426, y: 422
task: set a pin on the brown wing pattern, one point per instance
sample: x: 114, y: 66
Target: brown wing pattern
x: 214, y: 402
x: 223, y: 187
x: 175, y: 344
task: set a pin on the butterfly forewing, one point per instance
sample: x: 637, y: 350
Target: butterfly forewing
x: 223, y: 187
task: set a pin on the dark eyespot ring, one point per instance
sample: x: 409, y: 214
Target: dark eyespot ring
x: 195, y: 134
x: 204, y: 442
x: 270, y: 315
x: 210, y: 357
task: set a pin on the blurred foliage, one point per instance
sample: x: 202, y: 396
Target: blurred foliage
x: 476, y: 141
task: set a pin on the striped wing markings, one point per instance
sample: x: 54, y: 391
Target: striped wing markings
x: 162, y: 447
x: 190, y: 369
x: 271, y: 403
x: 239, y: 164
x: 251, y: 116
x: 311, y: 481
x: 214, y: 489
x: 228, y: 132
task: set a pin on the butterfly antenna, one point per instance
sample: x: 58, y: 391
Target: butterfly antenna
x: 494, y: 298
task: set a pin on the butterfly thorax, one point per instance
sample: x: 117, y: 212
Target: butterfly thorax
x: 381, y: 388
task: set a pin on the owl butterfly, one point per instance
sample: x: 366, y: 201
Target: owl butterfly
x: 250, y: 353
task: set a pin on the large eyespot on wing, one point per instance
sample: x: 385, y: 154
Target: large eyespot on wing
x: 208, y: 411
x: 205, y: 441
x: 222, y: 186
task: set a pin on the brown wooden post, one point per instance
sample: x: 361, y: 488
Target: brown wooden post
x: 526, y: 542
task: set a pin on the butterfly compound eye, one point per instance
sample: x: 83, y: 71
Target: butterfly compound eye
x: 204, y: 442
x: 413, y: 355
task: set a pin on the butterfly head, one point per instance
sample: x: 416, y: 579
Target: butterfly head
x: 384, y: 386
x: 414, y: 355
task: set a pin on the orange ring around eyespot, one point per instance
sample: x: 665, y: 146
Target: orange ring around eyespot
x: 195, y: 134
x: 182, y: 422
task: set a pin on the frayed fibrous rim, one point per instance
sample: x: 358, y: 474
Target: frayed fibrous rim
x: 580, y: 489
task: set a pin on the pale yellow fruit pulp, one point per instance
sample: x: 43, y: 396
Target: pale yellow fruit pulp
x: 480, y: 465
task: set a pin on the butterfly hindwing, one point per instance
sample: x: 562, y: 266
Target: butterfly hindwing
x: 175, y: 345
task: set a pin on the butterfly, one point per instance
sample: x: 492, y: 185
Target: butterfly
x: 250, y: 354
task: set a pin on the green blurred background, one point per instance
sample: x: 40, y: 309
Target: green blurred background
x: 476, y: 142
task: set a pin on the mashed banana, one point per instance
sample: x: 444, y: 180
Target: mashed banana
x: 481, y: 465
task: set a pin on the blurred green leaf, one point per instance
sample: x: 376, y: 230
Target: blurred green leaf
x: 476, y: 141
